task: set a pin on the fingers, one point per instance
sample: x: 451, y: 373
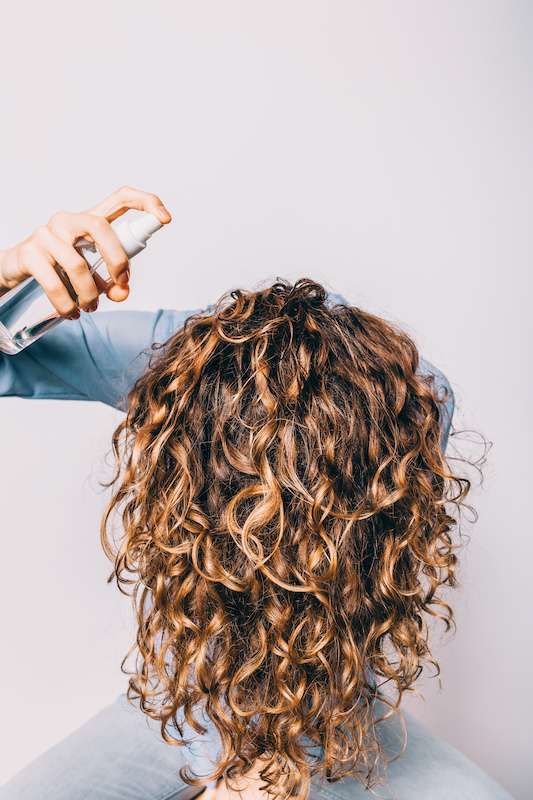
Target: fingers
x: 128, y: 197
x: 113, y: 291
x: 117, y: 293
x: 70, y: 227
x: 50, y: 256
x: 35, y: 262
x: 75, y: 266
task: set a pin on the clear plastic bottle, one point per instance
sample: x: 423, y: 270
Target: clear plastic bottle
x: 26, y: 313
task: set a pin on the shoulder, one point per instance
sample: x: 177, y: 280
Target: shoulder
x: 117, y: 346
x: 433, y: 768
x: 444, y: 394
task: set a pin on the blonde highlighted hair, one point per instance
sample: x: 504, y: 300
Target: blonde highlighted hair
x: 287, y: 519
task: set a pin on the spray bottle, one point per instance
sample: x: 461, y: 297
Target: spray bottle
x: 26, y: 313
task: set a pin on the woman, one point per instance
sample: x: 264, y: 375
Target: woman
x: 286, y: 527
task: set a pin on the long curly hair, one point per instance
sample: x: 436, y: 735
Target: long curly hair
x: 286, y: 517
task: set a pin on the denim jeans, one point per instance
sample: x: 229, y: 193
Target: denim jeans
x: 119, y: 755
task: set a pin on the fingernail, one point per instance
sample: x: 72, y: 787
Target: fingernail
x: 163, y: 214
x: 91, y: 306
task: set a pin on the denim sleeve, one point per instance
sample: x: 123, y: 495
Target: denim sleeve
x: 98, y: 357
x: 445, y: 395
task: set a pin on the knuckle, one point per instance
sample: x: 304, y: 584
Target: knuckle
x: 41, y: 232
x: 56, y: 290
x: 78, y: 266
x: 58, y: 218
x: 100, y: 224
x: 27, y: 250
x: 126, y: 189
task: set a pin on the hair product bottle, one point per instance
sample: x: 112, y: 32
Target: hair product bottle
x: 26, y: 313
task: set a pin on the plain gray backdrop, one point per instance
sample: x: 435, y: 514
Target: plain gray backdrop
x: 384, y: 148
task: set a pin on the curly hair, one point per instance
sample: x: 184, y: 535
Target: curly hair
x: 286, y: 518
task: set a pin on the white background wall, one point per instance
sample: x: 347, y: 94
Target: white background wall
x: 382, y: 147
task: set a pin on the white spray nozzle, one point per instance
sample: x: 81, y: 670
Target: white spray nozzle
x: 134, y: 234
x: 143, y: 226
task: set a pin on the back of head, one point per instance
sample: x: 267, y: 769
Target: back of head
x: 282, y: 492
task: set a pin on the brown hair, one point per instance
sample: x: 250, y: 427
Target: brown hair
x: 286, y: 516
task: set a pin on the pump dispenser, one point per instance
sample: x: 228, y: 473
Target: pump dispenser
x: 26, y: 313
x: 134, y: 233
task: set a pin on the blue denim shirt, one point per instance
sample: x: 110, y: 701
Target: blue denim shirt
x: 100, y: 356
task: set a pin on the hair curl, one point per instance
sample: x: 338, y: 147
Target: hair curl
x: 286, y: 515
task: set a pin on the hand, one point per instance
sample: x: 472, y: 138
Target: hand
x: 51, y: 245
